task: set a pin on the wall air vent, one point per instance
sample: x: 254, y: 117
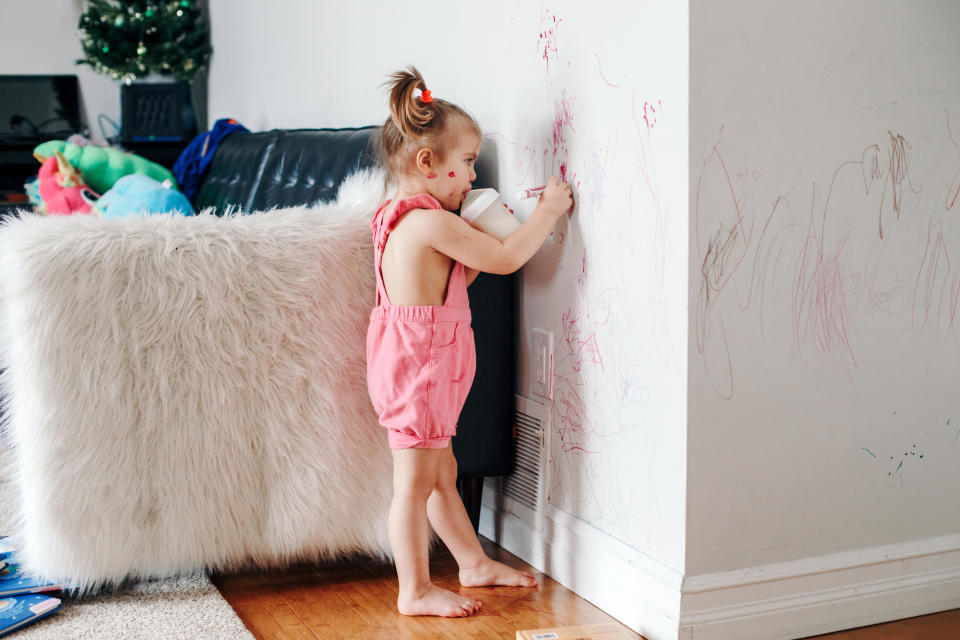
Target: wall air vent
x: 523, y: 485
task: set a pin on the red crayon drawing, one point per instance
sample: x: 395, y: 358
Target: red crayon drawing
x: 578, y: 347
x: 603, y: 77
x: 937, y: 286
x: 547, y: 42
x: 731, y: 237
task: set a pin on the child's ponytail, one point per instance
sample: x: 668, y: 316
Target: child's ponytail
x: 409, y: 114
x: 416, y: 121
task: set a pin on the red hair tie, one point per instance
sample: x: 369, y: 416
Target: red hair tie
x: 425, y: 96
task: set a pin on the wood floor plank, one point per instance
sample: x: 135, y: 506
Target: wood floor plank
x: 322, y: 609
x: 936, y: 626
x: 375, y: 599
x: 267, y: 616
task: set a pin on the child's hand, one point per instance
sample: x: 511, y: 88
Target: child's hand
x: 557, y: 198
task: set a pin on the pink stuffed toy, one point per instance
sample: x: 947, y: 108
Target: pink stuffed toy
x: 62, y: 189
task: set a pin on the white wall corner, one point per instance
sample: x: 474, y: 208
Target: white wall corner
x: 627, y: 584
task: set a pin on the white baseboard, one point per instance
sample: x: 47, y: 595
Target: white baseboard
x: 824, y: 594
x: 777, y: 601
x: 630, y: 586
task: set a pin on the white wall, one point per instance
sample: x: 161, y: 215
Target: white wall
x: 598, y: 92
x: 41, y: 37
x: 826, y: 355
x: 824, y: 302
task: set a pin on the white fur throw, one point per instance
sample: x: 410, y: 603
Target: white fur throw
x: 190, y: 392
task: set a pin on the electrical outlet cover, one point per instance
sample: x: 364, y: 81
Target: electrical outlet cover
x: 541, y: 363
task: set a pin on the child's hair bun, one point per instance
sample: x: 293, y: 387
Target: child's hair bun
x: 410, y: 115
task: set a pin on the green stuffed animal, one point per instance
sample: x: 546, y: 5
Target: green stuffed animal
x: 101, y: 167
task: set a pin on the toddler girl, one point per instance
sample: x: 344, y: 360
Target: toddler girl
x: 420, y: 351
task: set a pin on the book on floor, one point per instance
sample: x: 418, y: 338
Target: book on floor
x: 7, y: 547
x: 14, y: 582
x: 22, y: 610
x: 606, y: 631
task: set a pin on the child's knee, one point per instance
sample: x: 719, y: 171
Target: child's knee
x: 447, y: 475
x: 415, y: 484
x: 417, y: 487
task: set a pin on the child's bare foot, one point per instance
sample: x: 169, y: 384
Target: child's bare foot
x: 491, y: 573
x: 436, y: 601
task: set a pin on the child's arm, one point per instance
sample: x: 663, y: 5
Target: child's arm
x: 476, y: 250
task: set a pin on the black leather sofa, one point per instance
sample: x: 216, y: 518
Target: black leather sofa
x: 282, y: 168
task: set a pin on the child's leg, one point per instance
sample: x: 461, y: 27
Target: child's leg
x: 414, y: 478
x: 451, y: 522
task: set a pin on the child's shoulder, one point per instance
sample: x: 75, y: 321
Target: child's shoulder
x: 425, y: 219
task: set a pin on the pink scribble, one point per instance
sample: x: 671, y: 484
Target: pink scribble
x: 820, y: 305
x: 578, y: 347
x: 819, y: 298
x: 898, y: 173
x: 953, y: 192
x: 547, y: 42
x: 650, y: 113
x: 603, y: 77
x: 643, y: 140
x: 936, y: 278
x: 562, y: 118
x: 497, y: 134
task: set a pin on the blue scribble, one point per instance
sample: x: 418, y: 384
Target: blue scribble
x: 868, y: 451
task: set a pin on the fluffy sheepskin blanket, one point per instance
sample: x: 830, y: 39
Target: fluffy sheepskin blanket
x: 190, y: 392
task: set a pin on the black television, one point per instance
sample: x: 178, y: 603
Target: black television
x: 39, y: 106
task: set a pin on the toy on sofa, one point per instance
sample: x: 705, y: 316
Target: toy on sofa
x: 141, y: 194
x: 103, y: 166
x: 61, y: 189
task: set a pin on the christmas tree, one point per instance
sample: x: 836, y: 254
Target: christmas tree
x: 128, y: 39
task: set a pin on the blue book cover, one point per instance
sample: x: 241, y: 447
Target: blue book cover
x: 7, y: 547
x: 21, y: 610
x: 13, y: 582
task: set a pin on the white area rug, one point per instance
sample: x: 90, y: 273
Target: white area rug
x: 188, y: 607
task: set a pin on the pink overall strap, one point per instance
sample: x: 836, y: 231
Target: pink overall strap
x: 457, y: 287
x: 383, y: 223
x: 376, y: 224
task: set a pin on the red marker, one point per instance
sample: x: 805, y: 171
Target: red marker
x: 532, y: 192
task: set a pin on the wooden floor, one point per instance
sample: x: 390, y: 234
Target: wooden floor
x: 936, y: 626
x: 356, y: 600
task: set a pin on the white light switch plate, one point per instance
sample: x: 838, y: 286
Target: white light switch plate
x: 541, y: 364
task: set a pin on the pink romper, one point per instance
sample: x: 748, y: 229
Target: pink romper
x: 420, y: 359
